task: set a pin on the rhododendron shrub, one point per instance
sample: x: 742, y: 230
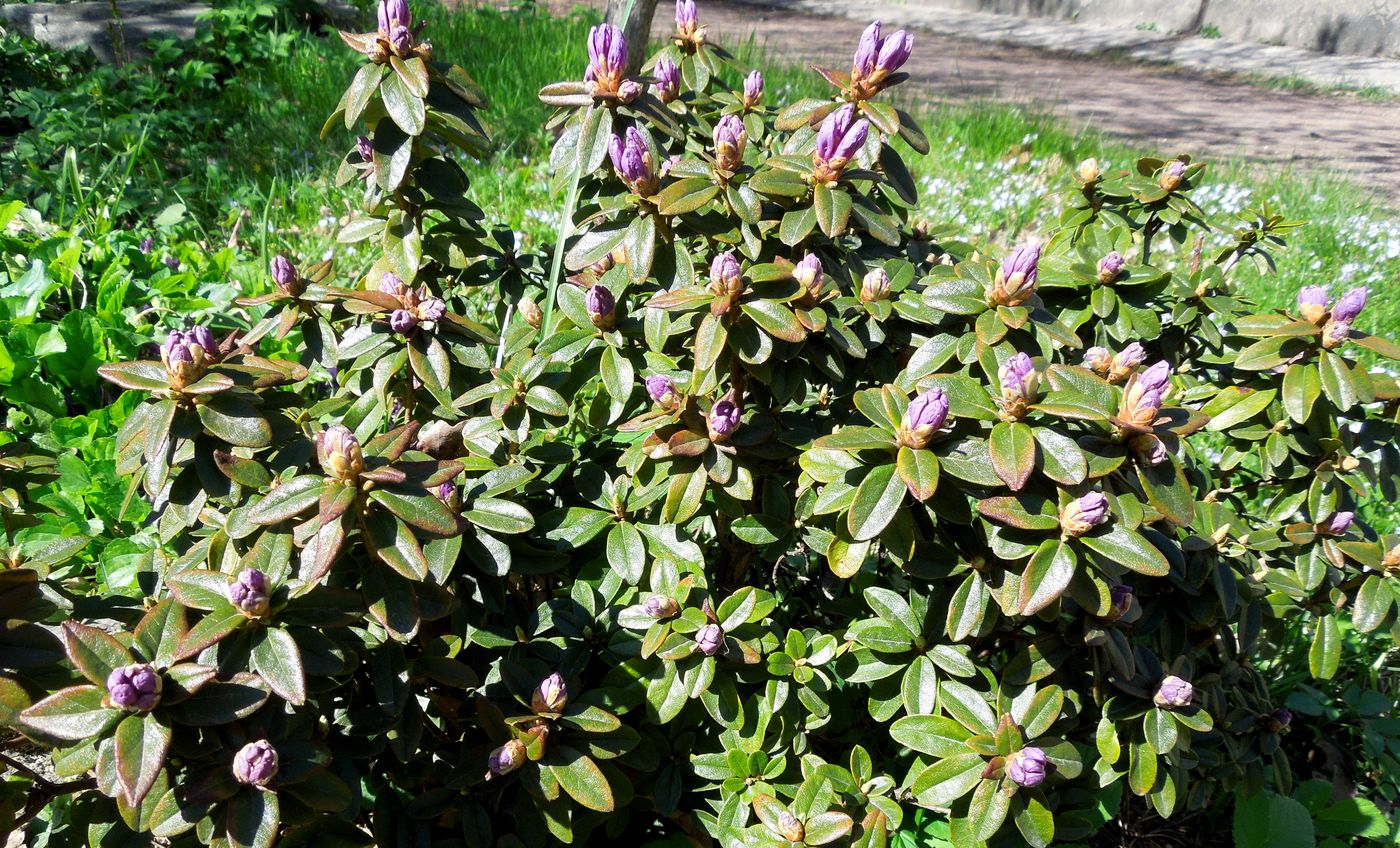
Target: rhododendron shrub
x: 756, y: 510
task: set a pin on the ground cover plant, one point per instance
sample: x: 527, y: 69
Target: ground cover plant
x: 758, y: 511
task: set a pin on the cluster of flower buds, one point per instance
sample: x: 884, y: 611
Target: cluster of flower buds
x: 1015, y: 280
x: 661, y: 607
x: 186, y: 354
x: 1114, y: 367
x: 731, y: 139
x: 506, y: 758
x: 875, y: 286
x: 255, y: 764
x: 248, y: 593
x: 1111, y: 267
x: 688, y: 28
x: 416, y: 305
x: 877, y: 58
x: 790, y: 827
x: 551, y: 696
x: 839, y: 138
x: 1338, y: 523
x: 924, y: 416
x: 1088, y: 171
x: 726, y: 282
x: 1142, y: 397
x: 666, y: 80
x: 1084, y: 513
x: 286, y: 277
x: 709, y: 639
x: 607, y: 65
x: 396, y: 36
x: 1020, y: 386
x: 753, y: 90
x: 1028, y: 767
x: 1173, y: 693
x: 1172, y: 175
x: 808, y: 274
x: 631, y: 159
x: 1336, y: 322
x: 723, y: 419
x: 134, y: 687
x: 601, y: 306
x: 339, y: 453
x: 663, y: 392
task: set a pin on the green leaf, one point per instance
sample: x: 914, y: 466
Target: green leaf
x: 949, y: 779
x: 627, y: 552
x: 1120, y: 545
x: 234, y: 420
x: 219, y: 623
x: 1142, y: 768
x: 1267, y: 820
x: 140, y: 745
x: 403, y: 105
x: 1326, y: 652
x: 1012, y: 447
x: 277, y: 660
x: 1373, y: 602
x: 1337, y: 381
x: 1239, y: 406
x: 581, y: 778
x: 71, y: 714
x: 425, y: 511
x: 1047, y: 576
x: 776, y: 320
x: 252, y: 817
x: 94, y: 653
x: 500, y: 516
x: 877, y: 500
x: 141, y: 376
x: 1160, y: 729
x: 1302, y: 386
x: 686, y: 195
x: 1035, y: 821
x: 968, y: 706
x: 937, y: 735
x: 827, y: 827
x: 919, y: 471
x: 833, y: 208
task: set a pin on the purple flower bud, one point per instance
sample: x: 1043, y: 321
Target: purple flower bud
x: 631, y: 158
x: 1121, y: 599
x: 753, y: 89
x: 402, y: 321
x: 875, y: 286
x: 808, y: 274
x: 339, y: 453
x: 661, y: 606
x: 134, y: 687
x: 1172, y: 175
x: 925, y: 415
x: 867, y: 50
x: 1099, y: 360
x: 1282, y: 717
x: 1020, y: 383
x: 686, y: 16
x: 709, y: 639
x: 839, y: 138
x: 1312, y: 296
x: 364, y: 147
x: 1350, y: 305
x: 431, y: 309
x: 506, y: 758
x: 1111, y: 266
x: 662, y: 391
x: 284, y: 275
x: 1150, y: 450
x: 551, y: 696
x: 1157, y: 377
x: 390, y: 283
x: 1083, y: 514
x: 172, y: 263
x: 1027, y: 767
x: 1126, y: 362
x: 1340, y: 522
x: 790, y: 827
x: 1173, y: 692
x: 723, y: 419
x: 876, y: 58
x: 629, y: 90
x: 248, y: 593
x: 895, y: 50
x: 607, y: 56
x: 255, y: 764
x: 393, y: 13
x: 668, y: 80
x: 147, y: 244
x: 447, y: 493
x: 186, y: 353
x: 730, y: 140
x: 1177, y: 168
x: 601, y: 305
x: 725, y: 277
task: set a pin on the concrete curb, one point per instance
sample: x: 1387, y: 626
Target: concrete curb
x: 1189, y: 52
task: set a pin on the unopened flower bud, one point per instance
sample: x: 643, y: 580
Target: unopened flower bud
x: 876, y: 58
x: 1125, y: 362
x: 1015, y: 280
x: 661, y: 607
x: 285, y: 276
x: 1020, y: 385
x: 1335, y: 334
x: 1099, y: 360
x: 551, y: 696
x: 631, y: 159
x: 753, y: 90
x: 1173, y: 693
x: 601, y: 306
x: 709, y: 639
x: 449, y: 495
x: 1083, y: 514
x: 389, y: 283
x: 1027, y: 767
x: 506, y: 758
x: 1121, y: 601
x: 1088, y: 170
x: 839, y: 138
x: 134, y: 687
x: 726, y: 280
x: 1150, y: 449
x: 339, y: 453
x: 147, y: 244
x: 1350, y: 305
x: 924, y: 417
x: 1339, y: 523
x: 723, y: 419
x: 875, y: 286
x: 688, y: 23
x: 255, y: 764
x: 667, y: 80
x: 1279, y: 719
x: 730, y: 141
x: 1111, y: 266
x: 248, y: 593
x: 663, y: 391
x: 607, y: 60
x: 186, y: 354
x: 1142, y: 397
x: 1172, y: 175
x: 790, y: 827
x: 402, y: 321
x: 531, y: 312
x: 365, y: 148
x: 808, y: 274
x: 1312, y: 303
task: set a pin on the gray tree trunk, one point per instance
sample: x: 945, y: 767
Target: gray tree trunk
x: 634, y: 17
